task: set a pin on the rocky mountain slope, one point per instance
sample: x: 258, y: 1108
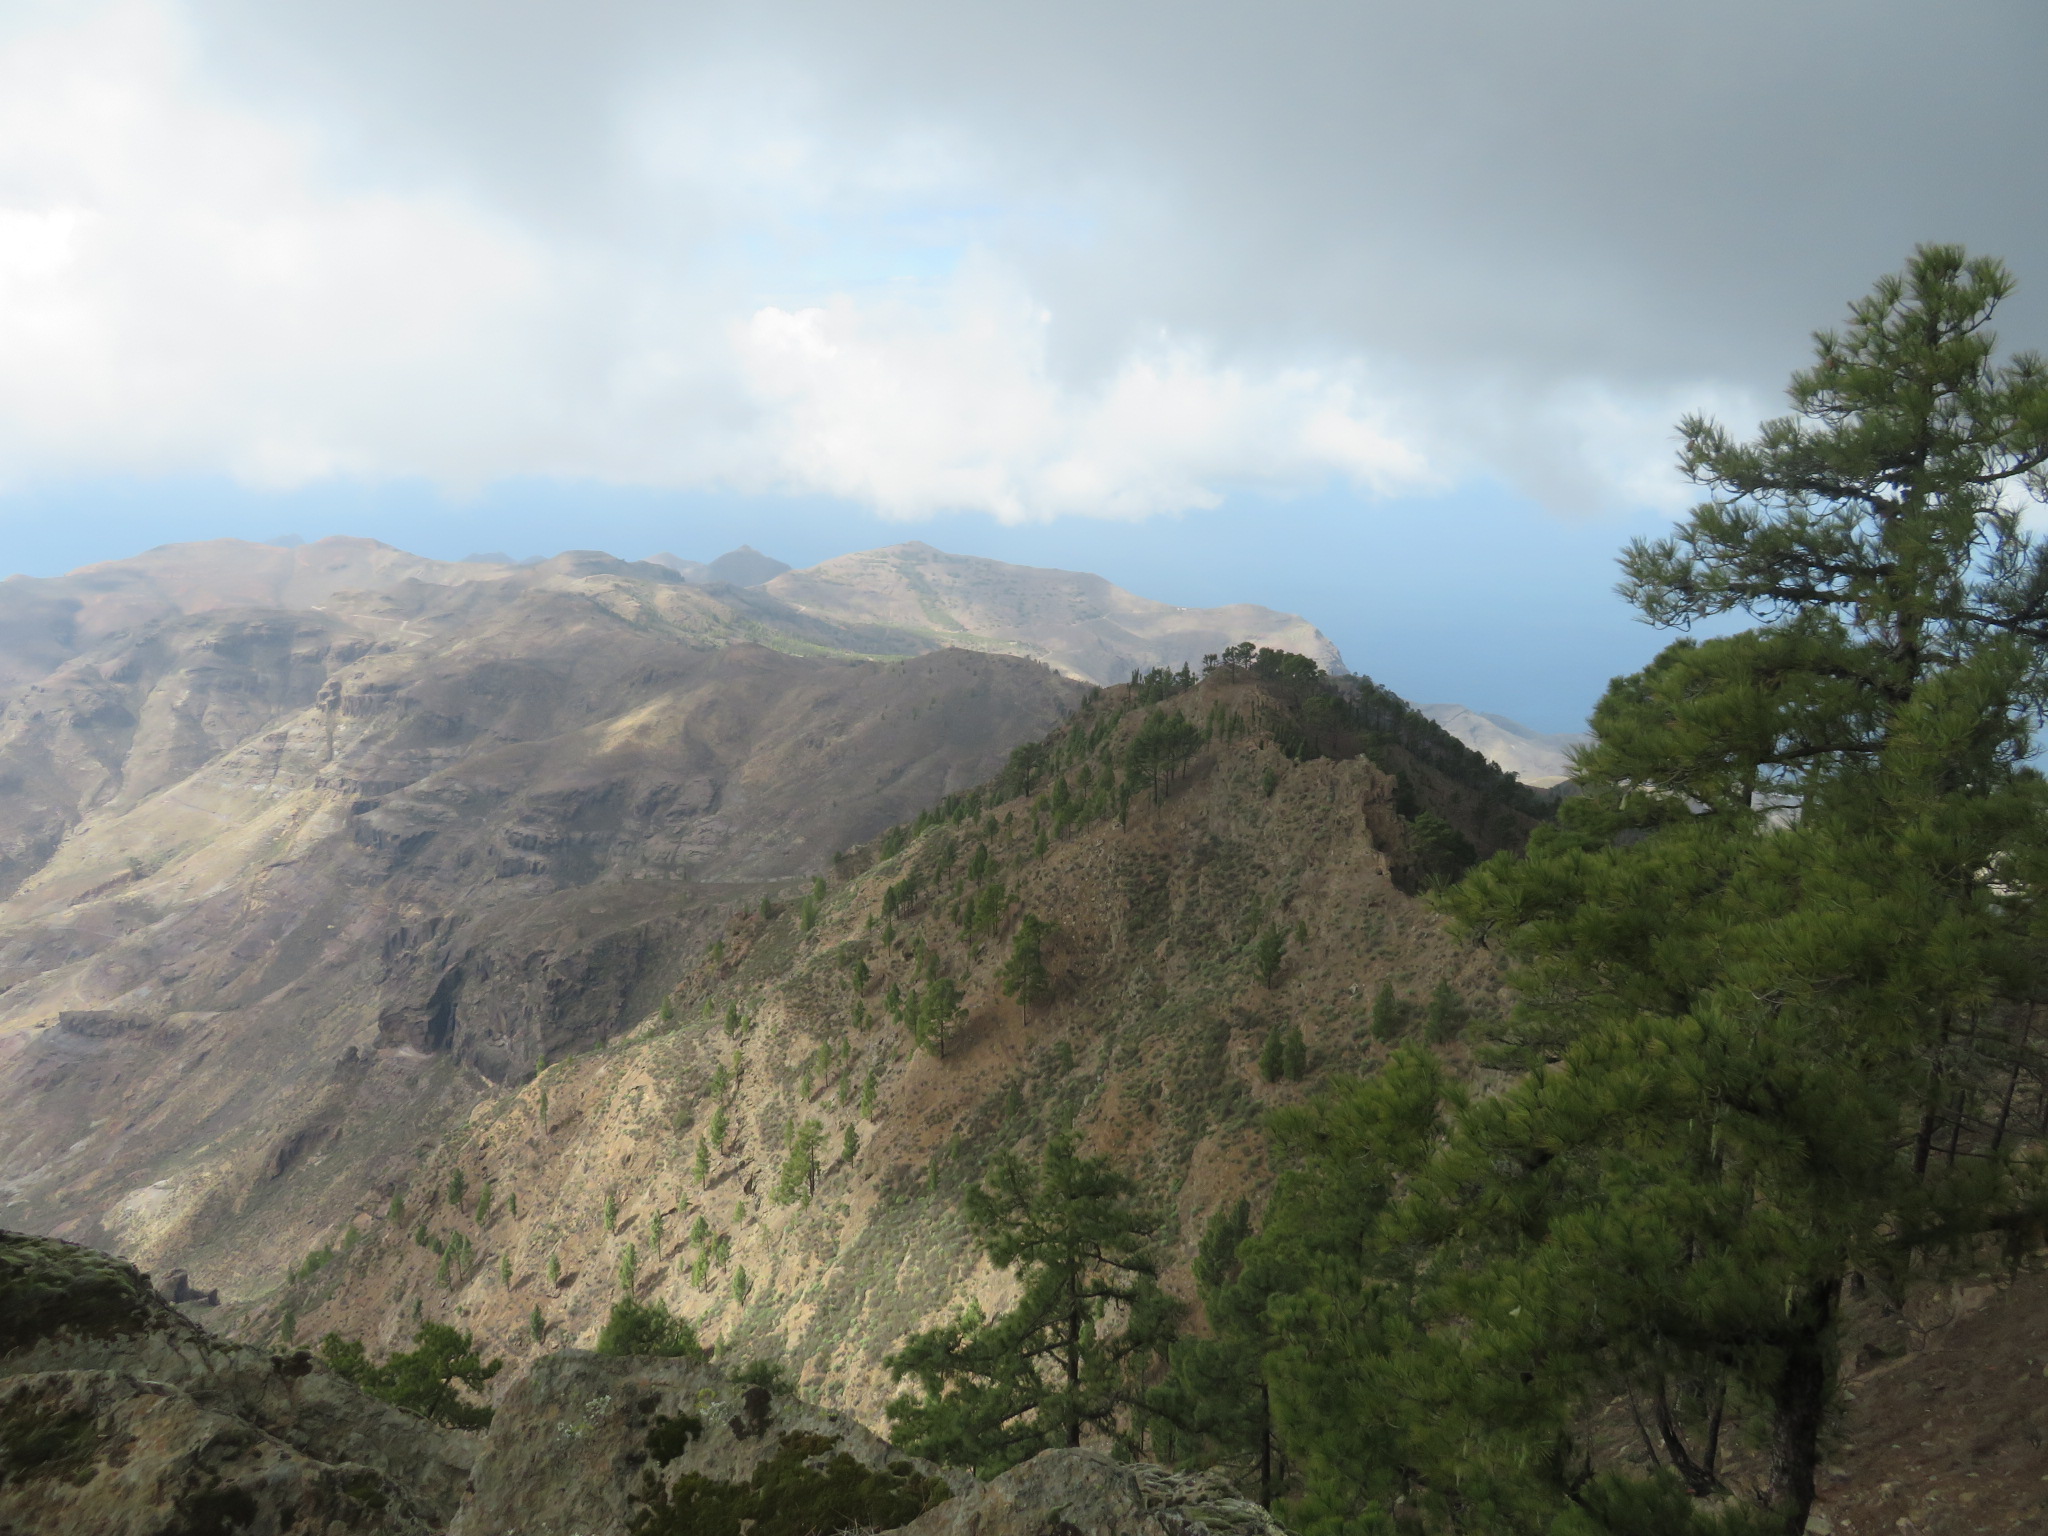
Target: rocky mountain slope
x: 584, y: 1185
x: 283, y: 890
x: 521, y: 1223
x: 1078, y: 623
x: 1539, y: 759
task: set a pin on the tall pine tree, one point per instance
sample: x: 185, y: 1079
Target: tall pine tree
x: 1068, y: 1360
x: 1773, y: 968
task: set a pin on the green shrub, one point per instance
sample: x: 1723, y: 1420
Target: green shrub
x: 648, y: 1328
x: 424, y: 1379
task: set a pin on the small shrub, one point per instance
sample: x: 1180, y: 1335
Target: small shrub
x: 765, y: 1374
x: 648, y: 1328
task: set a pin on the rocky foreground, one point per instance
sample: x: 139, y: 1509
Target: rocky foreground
x: 120, y: 1416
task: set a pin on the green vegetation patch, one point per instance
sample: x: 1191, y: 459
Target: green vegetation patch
x: 49, y: 1287
x: 36, y: 1444
x: 804, y: 1489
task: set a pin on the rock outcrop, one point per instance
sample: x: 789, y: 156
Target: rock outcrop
x: 586, y: 1443
x: 119, y: 1415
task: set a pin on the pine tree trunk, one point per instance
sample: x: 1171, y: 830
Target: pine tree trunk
x: 1265, y: 1446
x: 1072, y: 1354
x: 1074, y: 1365
x: 1798, y: 1406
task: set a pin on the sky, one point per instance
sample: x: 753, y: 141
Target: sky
x: 1379, y: 313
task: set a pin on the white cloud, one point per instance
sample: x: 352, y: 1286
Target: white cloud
x: 178, y: 292
x: 923, y: 408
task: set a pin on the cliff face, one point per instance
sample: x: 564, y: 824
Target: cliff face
x: 1149, y: 1047
x: 286, y: 890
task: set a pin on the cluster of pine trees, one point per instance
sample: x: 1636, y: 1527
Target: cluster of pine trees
x: 1777, y: 968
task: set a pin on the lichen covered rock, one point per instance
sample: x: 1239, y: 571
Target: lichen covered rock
x: 108, y: 1453
x: 1084, y: 1493
x: 72, y: 1311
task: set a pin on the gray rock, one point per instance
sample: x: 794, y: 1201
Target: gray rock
x: 117, y: 1455
x: 68, y: 1310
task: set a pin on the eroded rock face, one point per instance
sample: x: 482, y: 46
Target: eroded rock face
x: 102, y: 1380
x: 586, y: 1443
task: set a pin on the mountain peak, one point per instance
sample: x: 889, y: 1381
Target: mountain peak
x: 747, y: 567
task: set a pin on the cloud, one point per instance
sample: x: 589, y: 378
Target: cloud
x: 1059, y: 260
x: 916, y: 409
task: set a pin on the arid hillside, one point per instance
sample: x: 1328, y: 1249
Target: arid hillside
x: 819, y: 1222
x: 1081, y: 624
x: 284, y: 887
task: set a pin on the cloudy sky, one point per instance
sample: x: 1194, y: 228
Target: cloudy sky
x: 1382, y: 313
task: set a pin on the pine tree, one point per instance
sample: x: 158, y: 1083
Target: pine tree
x: 798, y: 1179
x: 1273, y: 1056
x: 1268, y: 954
x: 1214, y: 1400
x: 1447, y: 1015
x: 423, y: 1379
x: 1770, y: 966
x: 991, y: 1392
x: 648, y: 1328
x: 1389, y: 1014
x: 935, y: 1014
x: 1024, y: 975
x: 1294, y: 1054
